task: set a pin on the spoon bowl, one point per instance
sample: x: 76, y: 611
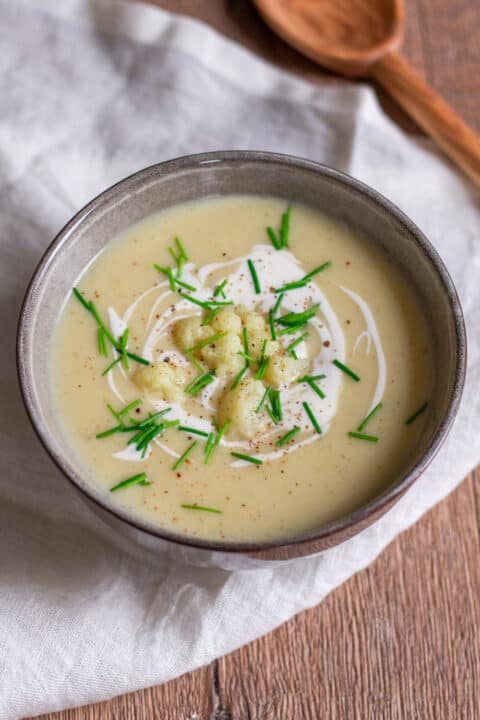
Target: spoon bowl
x: 346, y: 36
x: 360, y: 38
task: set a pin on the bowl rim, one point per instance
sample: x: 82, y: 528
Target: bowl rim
x: 195, y: 161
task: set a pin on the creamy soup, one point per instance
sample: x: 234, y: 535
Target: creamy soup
x: 232, y: 369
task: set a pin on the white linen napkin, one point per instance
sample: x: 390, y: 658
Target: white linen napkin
x: 92, y: 91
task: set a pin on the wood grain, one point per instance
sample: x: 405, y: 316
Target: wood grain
x: 458, y: 141
x: 401, y: 640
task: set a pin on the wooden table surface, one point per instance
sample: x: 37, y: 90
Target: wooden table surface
x: 400, y: 640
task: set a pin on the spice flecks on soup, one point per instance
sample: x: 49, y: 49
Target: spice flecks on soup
x: 237, y: 370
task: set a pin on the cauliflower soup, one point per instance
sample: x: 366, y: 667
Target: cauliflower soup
x: 237, y: 370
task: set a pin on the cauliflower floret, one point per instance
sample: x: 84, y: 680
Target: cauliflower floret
x: 226, y: 320
x: 239, y: 405
x: 252, y: 320
x: 256, y: 338
x: 222, y: 355
x: 283, y: 369
x: 163, y: 379
x: 189, y: 332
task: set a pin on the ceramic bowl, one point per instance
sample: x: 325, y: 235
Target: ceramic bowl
x: 225, y: 173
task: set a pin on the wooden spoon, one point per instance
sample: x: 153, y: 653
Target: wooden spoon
x: 359, y: 38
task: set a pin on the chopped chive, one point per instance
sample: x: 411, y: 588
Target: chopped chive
x: 124, y: 339
x: 416, y: 414
x: 151, y: 434
x: 181, y: 249
x: 249, y: 358
x: 146, y: 436
x: 151, y: 419
x: 137, y: 358
x: 291, y: 286
x: 262, y: 401
x: 316, y: 389
x: 168, y: 272
x: 170, y: 423
x: 140, y: 435
x: 273, y: 237
x: 107, y: 433
x: 209, y: 316
x: 185, y: 285
x: 310, y: 380
x: 118, y: 417
x: 80, y: 297
x: 203, y: 343
x: 195, y: 362
x: 185, y: 455
x: 171, y: 279
x: 112, y: 365
x: 361, y: 436
x: 199, y: 383
x: 285, y: 229
x: 102, y: 346
x: 151, y: 431
x: 100, y: 323
x: 312, y: 417
x: 271, y: 415
x: 278, y: 303
x: 288, y: 436
x: 172, y: 253
x: 253, y: 273
x: 264, y: 347
x: 219, y: 289
x: 245, y: 340
x: 276, y: 404
x: 131, y: 406
x: 290, y: 330
x: 247, y: 458
x: 180, y: 264
x: 370, y: 415
x: 200, y: 303
x: 192, y: 431
x: 200, y: 507
x: 140, y: 479
x: 207, y: 304
x: 123, y: 347
x: 238, y: 377
x: 306, y: 378
x: 262, y: 368
x: 296, y: 342
x: 272, y: 325
x: 210, y: 441
x: 303, y: 281
x: 346, y: 370
x: 92, y: 309
x: 317, y: 270
x: 296, y: 319
x: 245, y: 346
x: 216, y: 441
x: 160, y: 269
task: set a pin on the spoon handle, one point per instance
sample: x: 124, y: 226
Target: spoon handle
x: 431, y: 112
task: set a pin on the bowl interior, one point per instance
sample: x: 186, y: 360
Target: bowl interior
x: 216, y: 174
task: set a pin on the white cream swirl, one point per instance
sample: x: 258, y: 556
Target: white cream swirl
x: 274, y: 269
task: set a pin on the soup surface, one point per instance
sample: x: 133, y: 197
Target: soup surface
x: 247, y: 384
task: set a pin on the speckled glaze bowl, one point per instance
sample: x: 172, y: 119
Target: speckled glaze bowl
x: 224, y: 173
